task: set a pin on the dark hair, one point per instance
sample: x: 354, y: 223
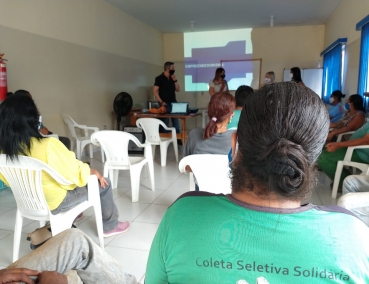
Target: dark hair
x: 338, y: 94
x: 221, y: 106
x: 241, y: 94
x: 357, y: 101
x: 167, y: 65
x: 281, y: 132
x: 296, y: 74
x: 8, y: 94
x: 218, y: 71
x: 19, y: 92
x: 19, y: 121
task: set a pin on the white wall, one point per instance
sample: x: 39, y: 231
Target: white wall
x: 75, y: 56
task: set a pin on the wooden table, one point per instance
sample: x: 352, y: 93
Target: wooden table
x: 182, y: 117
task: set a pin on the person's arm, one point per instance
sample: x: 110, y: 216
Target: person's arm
x: 211, y: 91
x: 333, y: 146
x: 354, y: 124
x: 176, y: 85
x: 156, y: 93
x: 333, y: 125
x: 334, y: 111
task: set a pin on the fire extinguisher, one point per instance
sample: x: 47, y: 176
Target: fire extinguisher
x: 3, y: 80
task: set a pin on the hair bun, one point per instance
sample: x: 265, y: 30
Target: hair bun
x: 343, y: 95
x: 285, y: 167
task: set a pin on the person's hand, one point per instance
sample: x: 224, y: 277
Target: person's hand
x: 188, y: 169
x: 15, y: 275
x: 54, y: 277
x: 44, y: 131
x: 102, y: 180
x: 174, y: 77
x: 332, y: 147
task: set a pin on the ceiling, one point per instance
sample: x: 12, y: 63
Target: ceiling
x: 171, y: 16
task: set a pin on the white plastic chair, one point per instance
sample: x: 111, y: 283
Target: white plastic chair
x: 151, y: 128
x: 356, y: 200
x: 115, y: 145
x: 24, y: 177
x: 81, y: 141
x: 339, y: 137
x: 347, y: 162
x: 211, y: 172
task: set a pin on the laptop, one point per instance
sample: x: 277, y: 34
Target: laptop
x: 179, y: 108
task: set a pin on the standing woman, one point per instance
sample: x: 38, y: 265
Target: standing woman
x: 336, y: 111
x: 296, y: 76
x: 218, y: 84
x: 269, y: 77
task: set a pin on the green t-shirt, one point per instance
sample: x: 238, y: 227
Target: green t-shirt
x: 208, y: 238
x: 360, y: 133
x: 236, y: 117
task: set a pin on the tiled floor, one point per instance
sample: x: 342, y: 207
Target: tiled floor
x: 131, y: 248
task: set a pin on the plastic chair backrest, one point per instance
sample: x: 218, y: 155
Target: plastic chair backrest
x: 211, y: 172
x: 115, y: 145
x: 24, y: 177
x: 70, y: 123
x: 151, y: 128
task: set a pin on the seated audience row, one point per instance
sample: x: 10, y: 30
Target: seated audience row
x: 250, y: 235
x: 27, y: 141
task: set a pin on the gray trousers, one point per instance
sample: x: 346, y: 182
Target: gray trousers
x: 357, y: 183
x: 72, y: 250
x: 109, y: 209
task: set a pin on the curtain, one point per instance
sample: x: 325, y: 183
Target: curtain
x: 362, y: 85
x: 332, y: 72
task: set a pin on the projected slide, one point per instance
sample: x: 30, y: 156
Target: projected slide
x: 204, y: 52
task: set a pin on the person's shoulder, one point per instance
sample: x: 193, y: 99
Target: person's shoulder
x: 198, y: 132
x: 189, y: 196
x: 211, y: 83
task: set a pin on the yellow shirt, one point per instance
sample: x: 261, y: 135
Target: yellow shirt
x: 52, y: 152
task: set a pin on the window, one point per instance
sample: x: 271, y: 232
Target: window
x: 333, y: 65
x: 363, y: 85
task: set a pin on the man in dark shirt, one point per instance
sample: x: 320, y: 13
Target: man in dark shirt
x: 165, y: 89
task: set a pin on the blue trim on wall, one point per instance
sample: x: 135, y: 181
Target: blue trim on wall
x: 362, y: 23
x: 333, y: 45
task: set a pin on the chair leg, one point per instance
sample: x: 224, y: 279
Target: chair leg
x: 150, y: 167
x: 337, y: 177
x: 113, y: 175
x: 17, y: 235
x: 91, y: 151
x: 42, y: 223
x: 98, y: 218
x: 175, y: 146
x: 163, y: 154
x: 135, y: 173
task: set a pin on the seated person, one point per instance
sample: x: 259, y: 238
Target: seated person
x: 56, y: 262
x: 43, y: 130
x: 336, y: 151
x: 27, y: 141
x: 336, y: 111
x: 357, y: 183
x: 215, y: 138
x: 261, y: 232
x: 351, y: 121
x: 240, y: 96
